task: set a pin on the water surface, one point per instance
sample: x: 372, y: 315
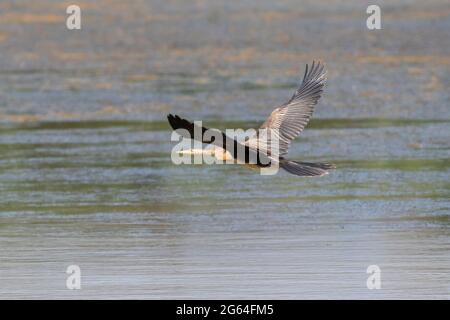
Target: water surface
x: 86, y: 176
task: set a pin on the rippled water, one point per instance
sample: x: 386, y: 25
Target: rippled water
x: 86, y: 176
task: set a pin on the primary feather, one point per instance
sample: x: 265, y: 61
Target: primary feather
x: 288, y: 120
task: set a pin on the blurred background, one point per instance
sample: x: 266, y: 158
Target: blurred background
x: 85, y: 170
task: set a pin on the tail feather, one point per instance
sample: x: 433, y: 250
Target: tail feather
x: 321, y: 165
x: 306, y: 169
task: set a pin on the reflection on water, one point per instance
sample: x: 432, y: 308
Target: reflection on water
x: 86, y: 176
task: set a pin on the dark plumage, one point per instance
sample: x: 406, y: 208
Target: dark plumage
x: 285, y: 123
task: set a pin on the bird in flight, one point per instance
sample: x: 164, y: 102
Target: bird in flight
x: 285, y: 123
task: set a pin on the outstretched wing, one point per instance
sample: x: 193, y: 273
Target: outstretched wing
x: 287, y: 121
x: 188, y: 128
x: 240, y: 152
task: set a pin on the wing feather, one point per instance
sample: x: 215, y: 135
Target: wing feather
x: 288, y: 120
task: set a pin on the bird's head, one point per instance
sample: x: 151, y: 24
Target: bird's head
x: 216, y: 152
x: 196, y: 151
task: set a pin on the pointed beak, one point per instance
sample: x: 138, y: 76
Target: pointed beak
x: 196, y: 151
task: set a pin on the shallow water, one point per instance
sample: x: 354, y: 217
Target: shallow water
x: 86, y: 176
x: 105, y: 196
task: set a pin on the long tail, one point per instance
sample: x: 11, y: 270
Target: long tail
x: 306, y: 169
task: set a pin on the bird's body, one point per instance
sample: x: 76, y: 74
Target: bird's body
x: 220, y: 154
x: 270, y: 145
